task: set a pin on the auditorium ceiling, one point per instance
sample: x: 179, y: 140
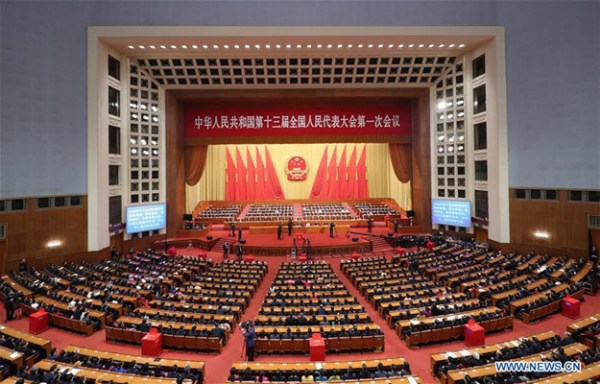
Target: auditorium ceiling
x: 190, y: 62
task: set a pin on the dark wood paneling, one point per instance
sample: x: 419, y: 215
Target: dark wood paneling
x: 421, y: 164
x: 564, y: 220
x: 141, y: 243
x: 175, y: 164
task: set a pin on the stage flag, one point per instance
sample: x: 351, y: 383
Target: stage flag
x: 342, y: 175
x: 332, y: 176
x: 352, y: 191
x: 230, y: 185
x: 272, y: 178
x: 251, y: 191
x: 241, y: 175
x: 317, y: 191
x: 260, y: 177
x: 363, y: 185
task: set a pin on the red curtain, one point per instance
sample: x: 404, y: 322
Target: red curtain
x: 352, y: 190
x: 260, y: 177
x: 320, y: 179
x: 272, y: 178
x: 363, y: 185
x: 401, y: 157
x: 230, y: 184
x: 332, y: 176
x: 251, y: 190
x: 241, y: 175
x: 194, y: 160
x: 342, y: 176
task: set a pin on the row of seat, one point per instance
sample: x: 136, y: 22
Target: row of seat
x: 332, y: 345
x: 208, y: 344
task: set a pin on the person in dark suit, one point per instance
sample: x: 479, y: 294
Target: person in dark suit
x: 240, y: 233
x: 279, y: 231
x: 249, y: 339
x: 232, y: 228
x: 370, y: 224
x: 225, y: 250
x: 331, y: 229
x: 395, y: 226
x: 240, y: 252
x: 290, y: 226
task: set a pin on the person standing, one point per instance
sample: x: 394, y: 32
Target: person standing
x: 232, y: 228
x: 290, y: 225
x: 250, y: 339
x: 239, y: 233
x: 279, y: 231
x: 225, y: 250
x: 395, y: 226
x: 331, y: 229
x: 23, y: 264
x: 9, y: 307
x: 594, y: 255
x: 240, y: 252
x: 370, y: 224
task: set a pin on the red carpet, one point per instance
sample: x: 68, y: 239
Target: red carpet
x: 217, y: 366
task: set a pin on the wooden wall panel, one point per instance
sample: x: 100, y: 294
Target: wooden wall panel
x: 175, y: 164
x: 28, y: 232
x: 565, y: 221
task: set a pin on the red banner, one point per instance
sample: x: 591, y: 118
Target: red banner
x: 298, y: 120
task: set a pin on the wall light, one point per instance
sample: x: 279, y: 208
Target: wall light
x: 541, y: 235
x: 54, y: 243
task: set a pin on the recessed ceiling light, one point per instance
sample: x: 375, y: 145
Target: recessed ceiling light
x: 215, y: 46
x: 205, y: 46
x: 421, y: 45
x: 288, y: 46
x: 309, y: 46
x: 360, y: 45
x: 184, y: 46
x: 130, y: 47
x: 278, y: 46
x: 329, y: 45
x: 461, y: 46
x: 349, y: 45
x: 174, y: 46
x: 441, y: 45
x: 410, y: 45
x: 257, y: 46
x: 268, y: 46
x: 370, y: 46
x: 194, y: 46
x: 237, y: 46
x: 380, y: 46
x: 319, y: 46
x: 431, y: 45
x: 247, y: 46
x: 400, y: 45
x: 163, y: 47
x: 340, y: 46
x: 451, y: 46
x: 226, y: 46
x: 390, y: 45
x: 152, y: 47
x: 141, y: 46
x: 299, y: 46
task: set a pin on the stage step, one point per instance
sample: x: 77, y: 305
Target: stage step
x: 219, y: 244
x: 244, y: 211
x: 352, y: 211
x: 379, y: 244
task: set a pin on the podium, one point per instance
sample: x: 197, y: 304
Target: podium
x: 317, y: 347
x: 202, y: 255
x: 38, y: 321
x: 152, y: 343
x: 474, y: 334
x: 249, y: 258
x: 355, y: 255
x: 571, y: 307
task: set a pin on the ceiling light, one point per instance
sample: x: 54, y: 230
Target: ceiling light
x: 329, y: 45
x: 154, y: 109
x: 215, y: 46
x: 421, y: 45
x: 319, y: 45
x: 450, y: 115
x: 278, y: 46
x: 440, y: 149
x: 431, y: 45
x: 237, y: 46
x: 441, y: 105
x: 370, y: 45
x: 133, y: 141
x: 450, y: 149
x: 268, y: 46
x: 163, y: 47
x: 461, y: 114
x: 441, y: 138
x: 461, y: 137
x: 441, y: 45
x: 288, y: 46
x: 173, y: 46
x: 184, y: 46
x: 461, y: 147
x: 309, y: 46
x: 299, y: 46
x: 461, y: 46
x: 380, y: 46
x: 410, y: 45
x: 400, y: 45
x: 53, y: 243
x: 143, y: 106
x: 141, y: 46
x: 451, y: 46
x: 144, y: 142
x: 257, y: 46
x: 541, y: 234
x: 340, y: 45
x: 155, y: 119
x: 205, y: 46
x: 130, y: 47
x: 390, y: 45
x: 247, y: 46
x: 134, y: 151
x: 349, y: 45
x: 460, y: 102
x: 194, y: 46
x: 152, y: 47
x: 226, y: 46
x: 360, y: 45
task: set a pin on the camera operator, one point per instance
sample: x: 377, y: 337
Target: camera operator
x: 249, y: 338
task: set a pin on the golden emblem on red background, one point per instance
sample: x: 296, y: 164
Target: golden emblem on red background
x: 296, y: 168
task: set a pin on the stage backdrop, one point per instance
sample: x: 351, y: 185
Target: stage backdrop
x: 381, y: 177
